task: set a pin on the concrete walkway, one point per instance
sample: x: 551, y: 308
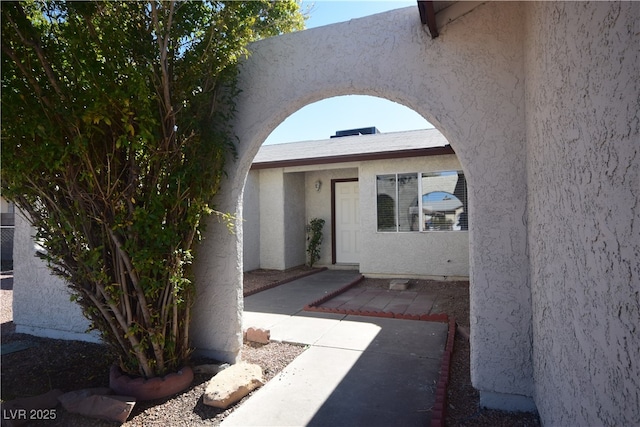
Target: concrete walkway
x: 358, y: 371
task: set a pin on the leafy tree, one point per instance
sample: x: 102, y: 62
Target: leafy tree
x: 115, y: 135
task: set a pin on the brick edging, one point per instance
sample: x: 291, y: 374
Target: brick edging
x: 439, y: 411
x: 282, y: 282
x: 313, y: 306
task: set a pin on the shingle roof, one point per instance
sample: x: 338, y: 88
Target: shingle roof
x: 352, y: 148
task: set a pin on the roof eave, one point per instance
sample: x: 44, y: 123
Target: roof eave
x: 359, y: 157
x: 428, y: 17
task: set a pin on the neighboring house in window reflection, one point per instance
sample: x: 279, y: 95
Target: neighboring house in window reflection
x: 395, y: 204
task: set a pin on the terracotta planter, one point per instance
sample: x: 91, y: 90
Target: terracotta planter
x: 149, y: 389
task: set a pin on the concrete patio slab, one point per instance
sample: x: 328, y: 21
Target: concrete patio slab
x: 331, y: 386
x: 393, y: 336
x: 382, y: 390
x: 302, y: 330
x: 252, y: 319
x: 291, y: 297
x: 350, y: 335
x: 358, y: 370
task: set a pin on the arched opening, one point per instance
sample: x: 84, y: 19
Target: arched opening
x: 361, y: 225
x: 284, y: 74
x: 375, y: 177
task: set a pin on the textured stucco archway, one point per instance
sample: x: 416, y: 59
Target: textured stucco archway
x: 540, y: 101
x: 472, y: 89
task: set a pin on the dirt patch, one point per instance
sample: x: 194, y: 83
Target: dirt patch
x: 451, y: 298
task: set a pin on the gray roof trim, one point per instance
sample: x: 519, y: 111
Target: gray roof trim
x: 416, y: 152
x: 378, y: 146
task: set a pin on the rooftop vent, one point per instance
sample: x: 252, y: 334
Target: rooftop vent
x: 351, y: 132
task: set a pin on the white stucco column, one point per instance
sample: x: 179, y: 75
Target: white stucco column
x: 583, y: 150
x: 216, y: 328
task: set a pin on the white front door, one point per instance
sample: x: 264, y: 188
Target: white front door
x: 347, y: 218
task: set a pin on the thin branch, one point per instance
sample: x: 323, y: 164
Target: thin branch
x: 142, y: 300
x: 127, y: 262
x: 166, y: 295
x: 142, y: 358
x: 105, y: 315
x: 175, y: 333
x: 119, y: 273
x: 187, y: 320
x: 163, y: 37
x: 48, y: 69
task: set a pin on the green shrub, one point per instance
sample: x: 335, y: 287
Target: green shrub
x: 314, y: 239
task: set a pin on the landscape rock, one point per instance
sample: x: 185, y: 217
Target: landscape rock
x: 399, y: 285
x: 98, y: 403
x: 258, y: 335
x: 232, y: 384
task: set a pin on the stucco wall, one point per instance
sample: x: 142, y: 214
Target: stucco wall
x: 319, y: 202
x: 434, y: 254
x: 41, y: 301
x: 583, y: 95
x: 304, y: 203
x: 278, y: 210
x: 251, y: 222
x: 438, y: 254
x: 294, y: 220
x: 272, y: 224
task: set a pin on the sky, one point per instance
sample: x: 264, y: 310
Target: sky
x: 346, y: 112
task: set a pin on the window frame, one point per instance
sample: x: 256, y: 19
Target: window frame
x: 420, y: 176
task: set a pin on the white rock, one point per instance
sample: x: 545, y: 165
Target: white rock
x: 232, y: 384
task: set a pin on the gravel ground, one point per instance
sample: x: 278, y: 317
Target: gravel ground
x: 54, y: 364
x: 6, y: 300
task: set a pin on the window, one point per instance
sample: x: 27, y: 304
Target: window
x: 442, y: 205
x: 396, y: 194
